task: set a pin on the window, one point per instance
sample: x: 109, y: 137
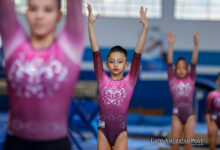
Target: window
x: 126, y: 8
x: 197, y: 9
x: 112, y: 8
x: 21, y: 5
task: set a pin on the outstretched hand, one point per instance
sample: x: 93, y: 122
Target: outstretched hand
x: 196, y: 38
x: 143, y: 16
x: 171, y: 37
x: 91, y: 18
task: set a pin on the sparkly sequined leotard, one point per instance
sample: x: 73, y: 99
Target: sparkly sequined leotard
x: 182, y: 91
x: 115, y: 96
x: 41, y: 82
x: 213, y: 106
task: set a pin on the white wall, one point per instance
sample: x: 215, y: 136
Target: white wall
x: 125, y: 32
x: 111, y: 31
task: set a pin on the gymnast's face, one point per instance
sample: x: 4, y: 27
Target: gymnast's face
x: 181, y: 69
x: 116, y: 63
x: 42, y: 16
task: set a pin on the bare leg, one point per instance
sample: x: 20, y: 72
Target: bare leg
x: 212, y: 135
x: 189, y: 131
x: 121, y: 142
x: 177, y: 129
x: 102, y: 143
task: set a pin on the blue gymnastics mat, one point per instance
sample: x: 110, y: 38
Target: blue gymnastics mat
x: 134, y: 143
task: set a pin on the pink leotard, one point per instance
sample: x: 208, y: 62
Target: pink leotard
x: 213, y: 106
x: 115, y: 96
x: 41, y: 82
x: 182, y: 91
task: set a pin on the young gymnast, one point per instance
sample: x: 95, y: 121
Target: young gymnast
x: 182, y: 85
x: 115, y: 92
x: 213, y: 114
x: 41, y: 72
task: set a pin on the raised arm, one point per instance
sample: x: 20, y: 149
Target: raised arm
x: 194, y: 56
x: 171, y: 39
x: 97, y: 58
x: 92, y: 37
x: 196, y: 48
x: 75, y: 21
x: 142, y: 39
x: 8, y: 21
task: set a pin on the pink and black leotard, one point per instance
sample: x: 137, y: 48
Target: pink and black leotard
x: 115, y: 96
x: 182, y: 92
x: 41, y: 82
x: 213, y: 106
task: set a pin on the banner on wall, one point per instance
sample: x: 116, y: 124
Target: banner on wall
x: 154, y: 54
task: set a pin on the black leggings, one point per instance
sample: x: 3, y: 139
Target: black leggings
x: 15, y: 143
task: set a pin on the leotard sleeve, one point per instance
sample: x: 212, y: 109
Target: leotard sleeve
x: 135, y: 68
x: 73, y: 34
x: 170, y: 71
x: 193, y: 72
x: 209, y: 103
x: 98, y: 65
x: 11, y: 31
